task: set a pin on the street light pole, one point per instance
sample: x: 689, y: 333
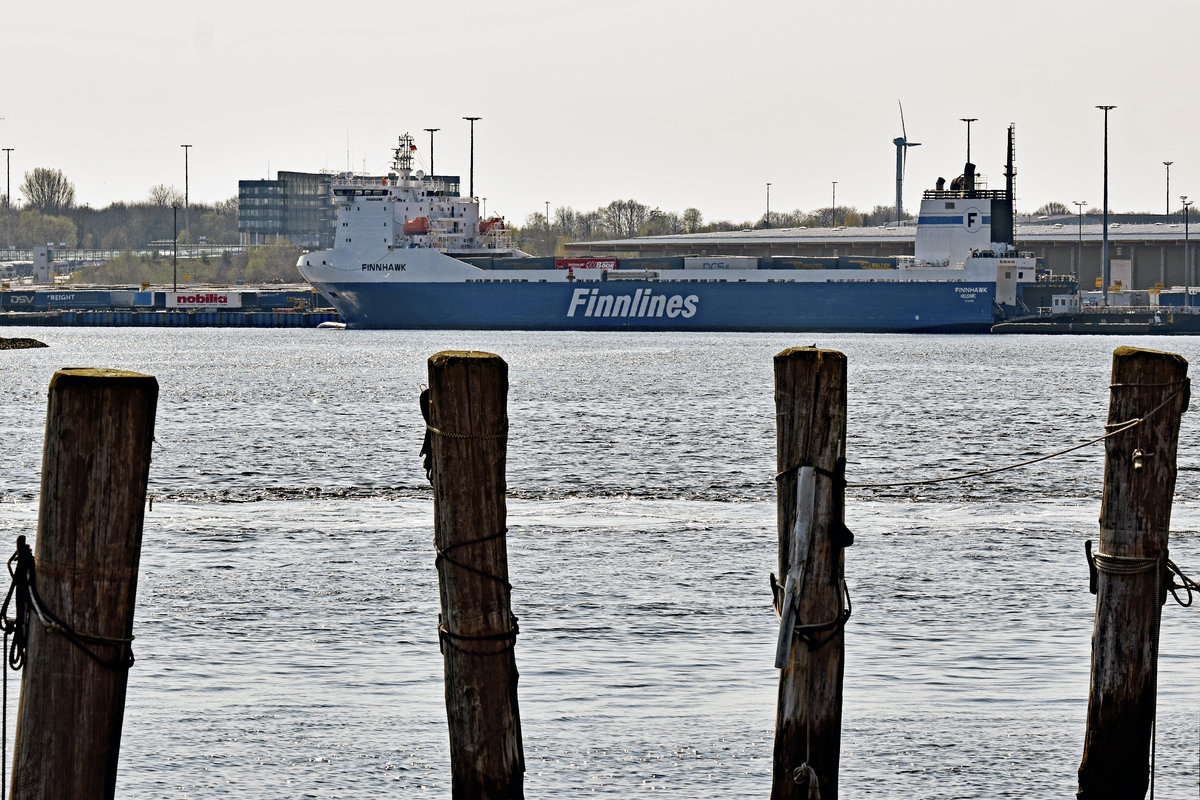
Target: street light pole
x: 767, y: 218
x: 833, y: 208
x: 969, y: 120
x: 1104, y: 266
x: 186, y: 225
x: 1168, y: 164
x: 472, y: 120
x: 1079, y: 259
x: 8, y: 193
x: 432, y: 131
x: 175, y: 248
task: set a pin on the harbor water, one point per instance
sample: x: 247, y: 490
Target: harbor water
x: 287, y: 599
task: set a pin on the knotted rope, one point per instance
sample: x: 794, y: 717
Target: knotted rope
x: 23, y: 596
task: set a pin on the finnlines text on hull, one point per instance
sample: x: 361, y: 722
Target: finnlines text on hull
x: 642, y: 303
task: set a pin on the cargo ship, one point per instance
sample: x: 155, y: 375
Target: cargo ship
x: 411, y: 253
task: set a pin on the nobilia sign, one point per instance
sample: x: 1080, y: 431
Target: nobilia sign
x: 204, y: 299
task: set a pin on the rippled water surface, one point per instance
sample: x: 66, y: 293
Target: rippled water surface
x: 287, y: 601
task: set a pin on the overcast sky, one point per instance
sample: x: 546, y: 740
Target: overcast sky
x: 674, y: 104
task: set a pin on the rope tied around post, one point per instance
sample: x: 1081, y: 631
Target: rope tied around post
x: 1165, y: 571
x: 442, y: 556
x: 446, y: 637
x: 784, y: 600
x: 23, y: 569
x: 1135, y: 565
x: 808, y: 633
x: 24, y: 598
x: 842, y: 536
x: 427, y: 445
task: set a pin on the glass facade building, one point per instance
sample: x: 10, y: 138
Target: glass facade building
x: 297, y: 206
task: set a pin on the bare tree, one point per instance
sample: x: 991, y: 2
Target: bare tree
x: 48, y: 191
x: 165, y: 196
x: 692, y: 220
x: 624, y: 217
x: 1052, y: 209
x: 566, y: 221
x: 661, y: 223
x: 591, y: 225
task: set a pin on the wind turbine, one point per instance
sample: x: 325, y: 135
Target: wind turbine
x: 902, y: 145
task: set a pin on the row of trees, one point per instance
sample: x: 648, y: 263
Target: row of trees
x: 120, y: 226
x: 49, y: 214
x: 259, y: 265
x: 625, y: 219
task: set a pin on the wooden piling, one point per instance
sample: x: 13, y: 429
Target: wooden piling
x: 1135, y: 516
x: 96, y: 459
x: 468, y: 426
x: 810, y: 403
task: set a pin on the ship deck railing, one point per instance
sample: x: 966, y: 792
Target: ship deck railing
x: 964, y: 194
x: 1117, y: 311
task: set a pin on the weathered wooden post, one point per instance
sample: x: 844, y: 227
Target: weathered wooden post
x: 1130, y: 570
x: 468, y: 431
x: 95, y: 463
x: 810, y: 404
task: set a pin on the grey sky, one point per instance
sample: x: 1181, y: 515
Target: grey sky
x: 674, y: 104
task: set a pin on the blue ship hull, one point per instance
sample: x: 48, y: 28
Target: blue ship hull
x: 826, y: 306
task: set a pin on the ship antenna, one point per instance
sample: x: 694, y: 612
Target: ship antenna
x: 402, y: 155
x: 1010, y: 174
x: 1002, y: 209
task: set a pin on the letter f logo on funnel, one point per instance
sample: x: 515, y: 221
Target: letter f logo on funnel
x: 973, y: 219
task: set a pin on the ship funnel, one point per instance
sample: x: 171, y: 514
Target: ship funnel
x: 969, y: 178
x: 941, y: 184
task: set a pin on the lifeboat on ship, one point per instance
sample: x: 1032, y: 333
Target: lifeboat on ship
x: 493, y: 224
x: 418, y: 225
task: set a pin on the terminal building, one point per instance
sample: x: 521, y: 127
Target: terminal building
x: 296, y: 207
x: 1144, y: 250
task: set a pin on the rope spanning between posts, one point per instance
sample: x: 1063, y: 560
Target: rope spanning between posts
x: 1111, y: 430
